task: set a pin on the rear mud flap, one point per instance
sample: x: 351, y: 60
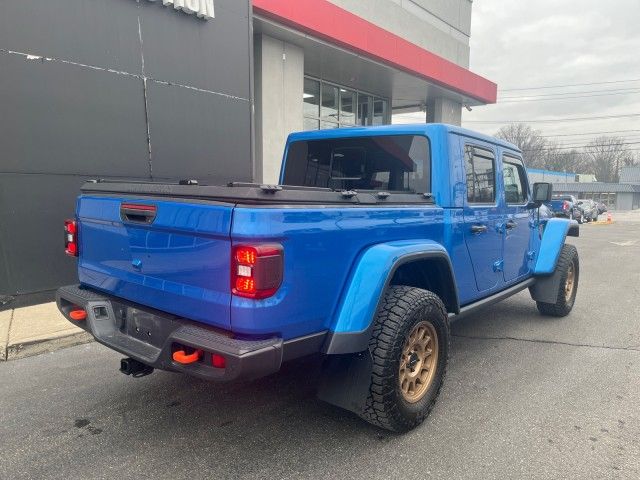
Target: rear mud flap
x: 345, y: 381
x: 546, y: 288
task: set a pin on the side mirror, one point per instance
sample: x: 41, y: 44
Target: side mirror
x: 542, y: 192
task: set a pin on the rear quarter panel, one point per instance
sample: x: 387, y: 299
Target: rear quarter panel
x: 320, y: 247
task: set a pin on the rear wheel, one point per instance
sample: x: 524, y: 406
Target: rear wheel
x: 410, y: 348
x: 569, y: 269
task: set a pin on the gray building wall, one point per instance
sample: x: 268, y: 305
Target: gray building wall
x: 279, y: 81
x: 440, y: 26
x: 624, y: 201
x: 110, y: 88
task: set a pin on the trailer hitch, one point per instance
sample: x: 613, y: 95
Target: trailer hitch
x: 136, y: 369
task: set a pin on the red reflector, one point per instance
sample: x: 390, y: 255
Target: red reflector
x: 218, y: 361
x: 256, y: 270
x: 78, y: 315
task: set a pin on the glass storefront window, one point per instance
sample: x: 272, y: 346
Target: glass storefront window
x: 332, y: 106
x: 364, y: 109
x: 329, y: 102
x: 348, y: 106
x: 311, y: 98
x: 311, y: 124
x: 378, y: 112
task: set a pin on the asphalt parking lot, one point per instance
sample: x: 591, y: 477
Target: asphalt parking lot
x: 525, y: 396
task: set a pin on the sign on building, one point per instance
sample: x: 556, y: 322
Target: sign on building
x: 200, y: 8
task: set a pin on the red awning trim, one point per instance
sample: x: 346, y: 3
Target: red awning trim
x: 331, y: 23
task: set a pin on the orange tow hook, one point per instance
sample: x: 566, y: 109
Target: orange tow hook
x: 78, y: 315
x: 181, y: 357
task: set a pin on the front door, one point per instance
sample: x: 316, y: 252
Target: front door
x: 517, y: 227
x: 482, y: 217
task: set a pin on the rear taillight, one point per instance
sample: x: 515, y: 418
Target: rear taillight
x: 71, y: 238
x: 256, y: 270
x: 565, y: 205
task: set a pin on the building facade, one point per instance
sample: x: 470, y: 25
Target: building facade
x: 205, y: 89
x: 624, y: 195
x: 330, y: 64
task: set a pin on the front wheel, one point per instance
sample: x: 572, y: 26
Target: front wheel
x: 410, y: 349
x: 569, y: 270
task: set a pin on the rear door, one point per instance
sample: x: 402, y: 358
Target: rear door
x: 516, y: 228
x: 482, y: 216
x: 171, y: 255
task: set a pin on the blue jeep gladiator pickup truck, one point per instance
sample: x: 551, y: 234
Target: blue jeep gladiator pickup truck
x: 373, y: 241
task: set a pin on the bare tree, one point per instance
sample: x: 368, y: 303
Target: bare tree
x: 606, y: 155
x: 560, y: 159
x: 533, y: 146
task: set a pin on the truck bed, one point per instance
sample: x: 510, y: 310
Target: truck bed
x: 180, y: 261
x: 252, y: 194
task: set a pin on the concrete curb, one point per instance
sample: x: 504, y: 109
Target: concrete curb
x: 37, y: 329
x: 45, y: 345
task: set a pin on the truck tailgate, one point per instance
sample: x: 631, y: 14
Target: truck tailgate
x: 167, y: 254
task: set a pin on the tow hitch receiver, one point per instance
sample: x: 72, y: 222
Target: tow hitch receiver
x: 132, y: 367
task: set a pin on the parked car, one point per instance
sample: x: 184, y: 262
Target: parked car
x: 374, y: 240
x: 589, y: 210
x: 566, y: 206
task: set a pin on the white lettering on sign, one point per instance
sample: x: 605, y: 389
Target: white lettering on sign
x: 201, y: 8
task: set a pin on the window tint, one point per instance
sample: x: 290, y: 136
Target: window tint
x: 515, y: 180
x: 480, y: 169
x: 388, y: 162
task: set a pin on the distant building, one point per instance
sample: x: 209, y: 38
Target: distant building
x: 586, y: 177
x: 537, y: 175
x: 616, y: 196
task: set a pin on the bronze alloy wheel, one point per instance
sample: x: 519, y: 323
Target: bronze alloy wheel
x: 419, y: 361
x: 570, y: 282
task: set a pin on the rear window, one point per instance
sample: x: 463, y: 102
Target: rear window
x: 388, y: 162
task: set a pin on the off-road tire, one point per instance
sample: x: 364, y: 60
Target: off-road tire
x: 402, y: 308
x: 562, y: 307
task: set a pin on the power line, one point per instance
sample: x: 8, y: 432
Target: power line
x: 571, y: 93
x: 553, y: 120
x: 565, y: 147
x: 569, y: 85
x: 524, y: 99
x: 589, y: 133
x: 577, y: 146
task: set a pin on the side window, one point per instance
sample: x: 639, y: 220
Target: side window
x: 481, y: 174
x: 515, y: 180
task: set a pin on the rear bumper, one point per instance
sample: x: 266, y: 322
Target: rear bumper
x: 151, y: 337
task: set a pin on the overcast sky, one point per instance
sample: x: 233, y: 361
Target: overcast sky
x: 521, y: 44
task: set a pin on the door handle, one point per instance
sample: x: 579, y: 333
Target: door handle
x: 510, y: 225
x: 478, y: 229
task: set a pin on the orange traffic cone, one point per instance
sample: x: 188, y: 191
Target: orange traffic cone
x: 609, y: 220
